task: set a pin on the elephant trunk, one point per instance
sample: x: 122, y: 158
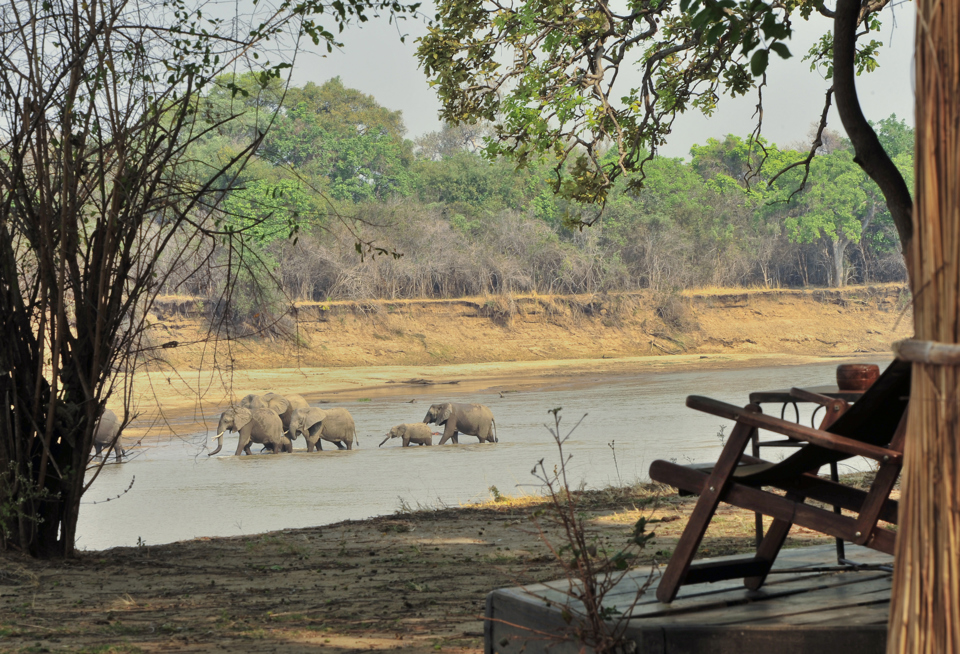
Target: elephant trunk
x: 219, y: 439
x: 221, y: 430
x: 384, y: 440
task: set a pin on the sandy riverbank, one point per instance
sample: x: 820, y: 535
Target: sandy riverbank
x: 412, y: 582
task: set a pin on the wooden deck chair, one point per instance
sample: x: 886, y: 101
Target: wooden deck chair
x: 873, y: 427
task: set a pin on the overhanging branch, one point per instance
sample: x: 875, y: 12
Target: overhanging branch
x: 870, y: 154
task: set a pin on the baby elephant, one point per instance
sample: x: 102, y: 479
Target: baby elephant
x: 416, y: 433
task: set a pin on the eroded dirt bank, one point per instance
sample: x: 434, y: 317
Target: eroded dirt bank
x: 537, y: 328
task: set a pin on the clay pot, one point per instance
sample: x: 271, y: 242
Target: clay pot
x: 856, y: 376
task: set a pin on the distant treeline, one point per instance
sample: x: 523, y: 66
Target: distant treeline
x: 339, y: 205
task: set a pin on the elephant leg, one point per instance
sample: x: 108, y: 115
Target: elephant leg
x: 448, y: 433
x: 340, y: 445
x: 456, y: 437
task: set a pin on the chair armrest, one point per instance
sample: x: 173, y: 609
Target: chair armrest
x: 791, y: 430
x: 816, y: 398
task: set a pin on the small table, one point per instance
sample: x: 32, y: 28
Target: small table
x: 783, y: 397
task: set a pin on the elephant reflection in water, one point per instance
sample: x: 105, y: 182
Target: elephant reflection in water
x: 254, y: 426
x: 471, y: 419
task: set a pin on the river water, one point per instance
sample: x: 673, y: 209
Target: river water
x: 179, y: 492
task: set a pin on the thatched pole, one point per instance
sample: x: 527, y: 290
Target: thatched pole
x: 925, y: 611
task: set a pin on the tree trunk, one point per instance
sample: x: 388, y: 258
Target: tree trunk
x: 838, y: 248
x: 925, y: 609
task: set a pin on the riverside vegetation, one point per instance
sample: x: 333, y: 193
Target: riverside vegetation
x: 335, y: 176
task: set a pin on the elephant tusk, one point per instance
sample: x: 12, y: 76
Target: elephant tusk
x: 220, y: 435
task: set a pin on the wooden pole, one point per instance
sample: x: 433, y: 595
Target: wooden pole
x: 925, y: 608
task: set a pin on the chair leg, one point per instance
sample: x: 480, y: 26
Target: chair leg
x: 772, y: 542
x: 702, y: 513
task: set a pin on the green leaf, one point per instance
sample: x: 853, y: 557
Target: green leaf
x: 781, y: 49
x: 758, y: 62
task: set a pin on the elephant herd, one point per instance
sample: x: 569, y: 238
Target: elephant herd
x: 275, y: 421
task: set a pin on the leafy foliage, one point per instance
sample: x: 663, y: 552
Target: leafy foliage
x: 561, y: 93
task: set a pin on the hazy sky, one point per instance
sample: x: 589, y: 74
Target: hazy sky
x: 376, y: 62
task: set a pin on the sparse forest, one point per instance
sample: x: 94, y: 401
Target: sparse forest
x: 335, y: 176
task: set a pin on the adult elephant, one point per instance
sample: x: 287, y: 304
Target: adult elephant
x: 261, y: 426
x: 333, y: 425
x: 471, y: 419
x: 107, y: 435
x: 416, y: 433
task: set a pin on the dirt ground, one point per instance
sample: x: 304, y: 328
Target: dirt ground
x: 411, y: 582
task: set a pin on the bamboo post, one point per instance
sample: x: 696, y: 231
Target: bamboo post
x: 925, y: 607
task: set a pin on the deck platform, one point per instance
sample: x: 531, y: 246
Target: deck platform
x: 806, y: 608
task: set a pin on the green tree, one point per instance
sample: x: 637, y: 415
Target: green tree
x: 834, y: 210
x: 344, y: 136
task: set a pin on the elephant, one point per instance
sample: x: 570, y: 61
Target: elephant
x: 416, y: 433
x: 257, y: 426
x: 107, y: 435
x: 472, y: 419
x: 284, y: 405
x: 294, y: 402
x: 334, y: 425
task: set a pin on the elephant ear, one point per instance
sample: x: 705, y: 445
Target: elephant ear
x: 241, y: 417
x: 445, y: 413
x: 277, y: 402
x: 314, y: 416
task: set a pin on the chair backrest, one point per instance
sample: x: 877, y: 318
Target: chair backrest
x: 873, y: 419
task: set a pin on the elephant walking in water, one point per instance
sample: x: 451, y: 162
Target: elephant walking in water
x: 107, y: 435
x: 416, y: 433
x: 471, y: 419
x: 333, y: 425
x: 284, y: 405
x: 257, y: 426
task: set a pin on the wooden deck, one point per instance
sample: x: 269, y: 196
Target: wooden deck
x: 795, y: 612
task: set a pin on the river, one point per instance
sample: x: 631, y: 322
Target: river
x: 179, y: 493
